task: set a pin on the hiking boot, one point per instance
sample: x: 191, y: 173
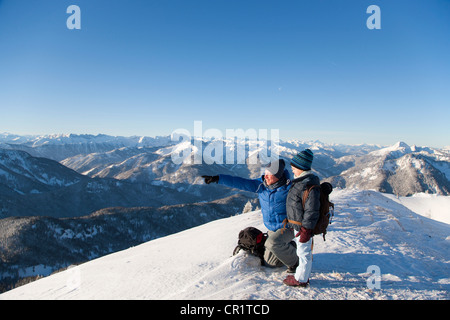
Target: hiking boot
x: 292, y: 268
x: 291, y: 281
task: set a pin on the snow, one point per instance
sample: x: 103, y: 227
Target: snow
x: 433, y: 206
x: 370, y: 231
x: 398, y: 149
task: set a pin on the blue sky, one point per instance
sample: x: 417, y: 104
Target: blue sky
x: 311, y: 69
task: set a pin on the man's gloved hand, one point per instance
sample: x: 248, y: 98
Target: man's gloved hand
x: 305, y: 234
x: 209, y: 179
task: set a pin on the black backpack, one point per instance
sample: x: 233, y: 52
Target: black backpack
x: 252, y: 240
x: 326, y: 207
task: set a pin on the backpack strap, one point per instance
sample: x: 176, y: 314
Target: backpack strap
x: 286, y: 221
x: 306, y: 194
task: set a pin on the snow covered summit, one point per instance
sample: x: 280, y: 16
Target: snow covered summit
x: 369, y: 229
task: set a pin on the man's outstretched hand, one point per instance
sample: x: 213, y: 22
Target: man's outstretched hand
x: 210, y: 179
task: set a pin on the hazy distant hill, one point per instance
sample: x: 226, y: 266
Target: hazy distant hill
x: 33, y: 186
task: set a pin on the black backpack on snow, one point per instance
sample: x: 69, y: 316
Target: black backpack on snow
x: 251, y: 240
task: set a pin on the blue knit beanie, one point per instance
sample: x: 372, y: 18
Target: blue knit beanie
x: 303, y: 160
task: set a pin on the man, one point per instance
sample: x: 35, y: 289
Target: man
x: 303, y: 217
x: 272, y: 189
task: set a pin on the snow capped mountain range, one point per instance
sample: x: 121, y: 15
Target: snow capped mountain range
x: 398, y: 169
x: 95, y: 194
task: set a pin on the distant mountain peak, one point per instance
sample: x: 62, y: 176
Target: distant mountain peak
x: 401, y: 144
x: 398, y: 149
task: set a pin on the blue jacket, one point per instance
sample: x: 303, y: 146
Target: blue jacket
x: 272, y: 201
